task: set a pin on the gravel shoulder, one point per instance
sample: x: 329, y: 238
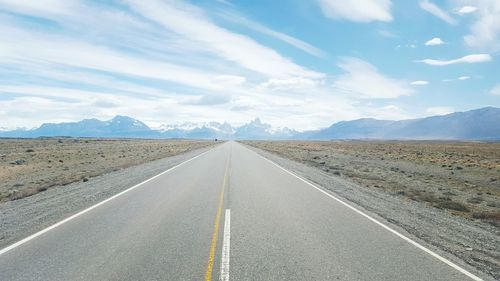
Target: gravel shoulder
x: 23, y: 217
x: 475, y: 243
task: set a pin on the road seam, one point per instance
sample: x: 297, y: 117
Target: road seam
x: 414, y: 243
x: 215, y: 234
x: 226, y: 245
x: 45, y: 230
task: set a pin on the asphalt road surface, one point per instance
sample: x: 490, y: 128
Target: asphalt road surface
x: 227, y: 214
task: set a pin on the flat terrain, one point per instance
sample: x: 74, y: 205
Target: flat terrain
x: 226, y: 212
x: 461, y: 177
x: 29, y: 166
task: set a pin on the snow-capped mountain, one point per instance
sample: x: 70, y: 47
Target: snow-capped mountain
x: 258, y: 130
x: 123, y: 126
x: 479, y: 124
x: 225, y: 127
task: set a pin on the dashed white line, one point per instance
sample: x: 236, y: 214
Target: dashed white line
x: 421, y: 247
x: 226, y: 245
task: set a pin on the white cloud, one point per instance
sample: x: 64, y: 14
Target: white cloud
x: 225, y: 2
x: 357, y: 10
x: 36, y: 105
x: 50, y: 7
x: 387, y: 112
x: 295, y: 83
x: 439, y: 110
x: 229, y: 80
x: 386, y: 33
x: 476, y: 58
x: 297, y: 43
x: 84, y: 55
x: 466, y: 10
x: 420, y: 83
x: 189, y: 22
x: 495, y: 90
x: 130, y: 65
x: 485, y: 32
x: 434, y: 41
x: 72, y: 95
x: 105, y: 103
x: 210, y: 99
x: 109, y: 83
x: 436, y: 11
x: 363, y: 80
x: 245, y: 103
x: 174, y: 64
x: 461, y: 78
x: 17, y: 111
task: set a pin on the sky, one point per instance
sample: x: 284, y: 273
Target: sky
x: 303, y: 64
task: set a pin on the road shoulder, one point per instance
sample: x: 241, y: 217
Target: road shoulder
x: 469, y: 244
x: 23, y: 217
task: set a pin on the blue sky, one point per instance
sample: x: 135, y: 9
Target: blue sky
x: 300, y: 64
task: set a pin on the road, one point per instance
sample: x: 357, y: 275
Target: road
x: 227, y: 214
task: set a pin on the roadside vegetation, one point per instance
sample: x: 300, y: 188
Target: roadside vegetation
x: 29, y: 166
x: 460, y: 177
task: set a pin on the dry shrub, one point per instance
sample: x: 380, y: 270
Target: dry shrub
x: 452, y: 205
x: 490, y: 217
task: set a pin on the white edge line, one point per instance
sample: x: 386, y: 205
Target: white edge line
x: 33, y: 236
x: 226, y: 245
x: 428, y: 251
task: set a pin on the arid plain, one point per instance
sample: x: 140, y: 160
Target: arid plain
x: 461, y: 177
x: 29, y: 166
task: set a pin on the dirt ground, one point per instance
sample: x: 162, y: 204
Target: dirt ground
x: 461, y: 177
x: 29, y: 166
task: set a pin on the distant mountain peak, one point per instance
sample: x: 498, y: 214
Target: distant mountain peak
x: 119, y: 118
x: 125, y: 123
x: 256, y: 121
x: 478, y: 124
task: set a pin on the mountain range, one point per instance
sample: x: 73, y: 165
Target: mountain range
x: 478, y: 124
x: 127, y: 127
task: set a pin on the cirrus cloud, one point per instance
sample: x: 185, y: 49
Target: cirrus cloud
x: 437, y: 11
x: 485, y: 32
x: 419, y: 83
x: 357, y: 10
x: 466, y: 10
x: 439, y: 110
x: 363, y: 80
x: 475, y: 58
x: 288, y: 84
x: 189, y: 22
x: 495, y: 90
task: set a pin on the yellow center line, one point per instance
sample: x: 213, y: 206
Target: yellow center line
x: 215, y: 234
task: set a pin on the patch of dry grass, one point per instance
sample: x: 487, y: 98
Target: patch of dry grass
x: 29, y: 166
x: 462, y: 177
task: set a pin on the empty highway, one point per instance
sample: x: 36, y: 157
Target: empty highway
x: 227, y: 214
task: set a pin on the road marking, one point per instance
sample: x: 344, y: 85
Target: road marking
x: 215, y: 234
x: 226, y: 245
x: 428, y: 251
x: 33, y: 236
